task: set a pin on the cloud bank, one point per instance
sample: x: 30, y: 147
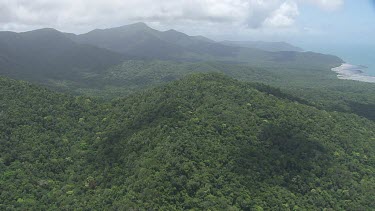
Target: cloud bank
x: 82, y: 15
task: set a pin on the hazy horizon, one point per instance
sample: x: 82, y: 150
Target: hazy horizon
x: 315, y: 25
x: 273, y: 20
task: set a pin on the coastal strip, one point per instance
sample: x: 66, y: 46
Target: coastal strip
x: 353, y: 72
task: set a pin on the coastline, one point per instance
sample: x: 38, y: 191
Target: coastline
x: 353, y: 72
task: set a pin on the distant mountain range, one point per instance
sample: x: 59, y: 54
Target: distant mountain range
x: 266, y: 46
x: 46, y: 54
x: 140, y: 40
x: 144, y: 42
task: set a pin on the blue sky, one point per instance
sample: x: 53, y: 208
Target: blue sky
x: 348, y: 32
x: 353, y: 23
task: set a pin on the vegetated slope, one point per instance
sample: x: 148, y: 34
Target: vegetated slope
x: 204, y: 142
x: 39, y: 135
x: 266, y: 46
x: 46, y: 54
x: 317, y: 85
x: 135, y: 75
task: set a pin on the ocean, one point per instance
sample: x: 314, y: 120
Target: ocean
x: 361, y: 55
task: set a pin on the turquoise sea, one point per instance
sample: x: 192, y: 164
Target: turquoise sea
x: 352, y: 54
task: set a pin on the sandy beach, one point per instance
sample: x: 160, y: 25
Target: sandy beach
x: 353, y: 72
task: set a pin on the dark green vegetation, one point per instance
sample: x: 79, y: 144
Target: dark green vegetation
x: 317, y: 85
x: 96, y: 63
x: 68, y: 62
x: 204, y: 142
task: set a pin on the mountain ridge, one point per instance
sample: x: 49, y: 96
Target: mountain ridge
x: 45, y: 53
x: 51, y: 54
x: 177, y: 45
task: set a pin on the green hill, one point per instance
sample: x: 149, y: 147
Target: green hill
x: 317, y: 85
x: 203, y: 142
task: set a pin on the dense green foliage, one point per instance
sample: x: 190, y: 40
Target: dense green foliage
x: 65, y: 62
x: 317, y: 85
x: 204, y: 142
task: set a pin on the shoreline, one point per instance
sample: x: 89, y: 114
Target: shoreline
x: 353, y: 72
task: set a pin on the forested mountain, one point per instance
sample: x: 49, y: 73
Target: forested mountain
x: 136, y: 39
x: 203, y: 142
x: 142, y: 41
x: 266, y: 46
x: 48, y: 54
x: 69, y: 62
x: 319, y: 86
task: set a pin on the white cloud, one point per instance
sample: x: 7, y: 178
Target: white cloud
x: 186, y: 15
x: 94, y: 12
x: 326, y: 4
x: 284, y: 16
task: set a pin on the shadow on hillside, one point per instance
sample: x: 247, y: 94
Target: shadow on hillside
x: 364, y: 110
x: 286, y: 157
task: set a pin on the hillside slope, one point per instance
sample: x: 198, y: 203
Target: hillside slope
x: 203, y: 142
x: 317, y: 85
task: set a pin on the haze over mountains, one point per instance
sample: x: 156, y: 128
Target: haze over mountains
x: 266, y: 46
x: 48, y: 53
x: 53, y: 54
x: 140, y: 40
